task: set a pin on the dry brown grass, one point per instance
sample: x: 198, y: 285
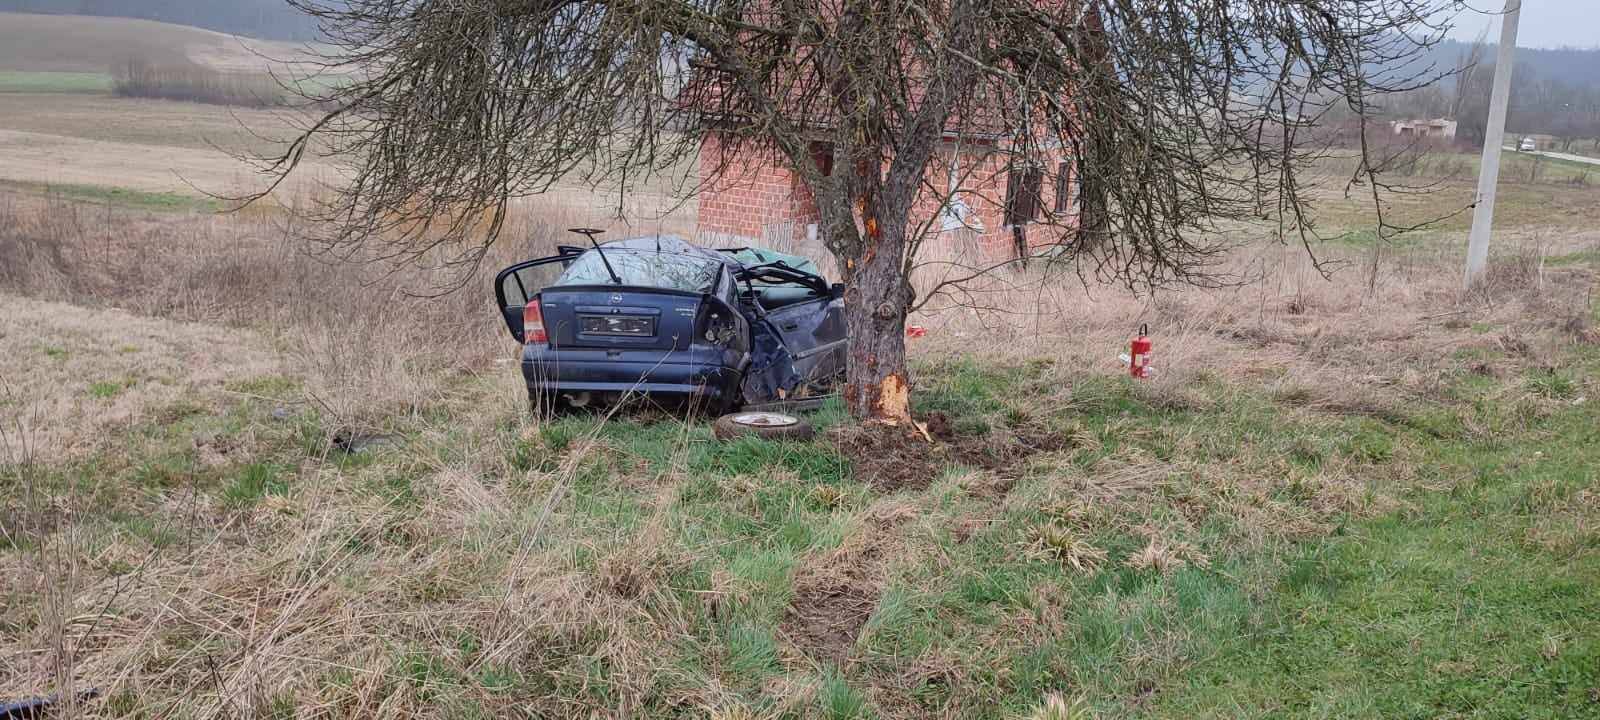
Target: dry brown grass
x: 1342, y: 343
x: 42, y: 158
x: 94, y: 373
x: 135, y: 121
x: 364, y: 336
x: 370, y: 342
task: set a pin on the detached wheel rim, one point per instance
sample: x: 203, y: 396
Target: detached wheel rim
x: 765, y: 420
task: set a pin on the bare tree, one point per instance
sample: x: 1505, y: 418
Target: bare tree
x: 1180, y: 116
x: 1468, y: 74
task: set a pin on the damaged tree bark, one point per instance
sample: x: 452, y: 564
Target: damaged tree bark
x: 875, y: 314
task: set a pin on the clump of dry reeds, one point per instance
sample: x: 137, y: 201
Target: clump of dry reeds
x: 34, y: 245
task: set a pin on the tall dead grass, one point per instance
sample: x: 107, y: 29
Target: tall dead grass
x: 1384, y: 325
x: 374, y: 340
x: 377, y: 340
x: 141, y: 78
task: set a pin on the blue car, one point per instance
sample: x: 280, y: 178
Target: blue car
x: 658, y: 316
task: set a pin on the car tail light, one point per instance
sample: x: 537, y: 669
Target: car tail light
x: 533, y: 324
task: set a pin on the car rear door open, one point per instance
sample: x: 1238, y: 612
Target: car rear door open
x: 520, y: 283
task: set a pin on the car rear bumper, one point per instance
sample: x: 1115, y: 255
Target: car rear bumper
x: 698, y: 373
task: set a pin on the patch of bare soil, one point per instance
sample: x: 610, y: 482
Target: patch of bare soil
x: 891, y: 458
x: 835, y: 595
x: 888, y: 457
x: 1002, y: 451
x: 832, y: 602
x: 999, y: 451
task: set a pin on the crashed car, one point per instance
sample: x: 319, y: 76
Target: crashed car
x: 658, y: 316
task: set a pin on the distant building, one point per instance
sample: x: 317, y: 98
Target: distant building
x: 1437, y: 128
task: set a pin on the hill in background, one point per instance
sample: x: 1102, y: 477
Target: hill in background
x: 82, y: 44
x: 1574, y: 67
x: 265, y: 19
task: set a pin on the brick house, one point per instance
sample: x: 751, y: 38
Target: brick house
x: 977, y: 200
x: 973, y: 210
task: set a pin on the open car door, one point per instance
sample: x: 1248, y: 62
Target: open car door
x: 518, y: 284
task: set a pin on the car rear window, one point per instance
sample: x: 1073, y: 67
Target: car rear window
x: 642, y: 268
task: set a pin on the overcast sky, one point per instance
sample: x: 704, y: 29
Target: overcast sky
x: 1545, y: 23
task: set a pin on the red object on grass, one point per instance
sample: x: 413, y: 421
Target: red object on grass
x: 1140, y: 353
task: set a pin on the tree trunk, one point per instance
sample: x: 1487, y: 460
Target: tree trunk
x: 876, y: 302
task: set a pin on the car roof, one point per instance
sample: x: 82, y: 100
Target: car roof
x: 669, y: 245
x: 734, y: 259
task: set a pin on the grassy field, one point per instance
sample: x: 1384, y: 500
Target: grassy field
x: 1370, y: 497
x: 60, y: 124
x: 12, y: 81
x: 119, y: 197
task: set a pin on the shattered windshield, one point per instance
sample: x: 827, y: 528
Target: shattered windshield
x: 643, y: 268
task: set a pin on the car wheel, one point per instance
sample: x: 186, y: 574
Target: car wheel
x: 769, y: 425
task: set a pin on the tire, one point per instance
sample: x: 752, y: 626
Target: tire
x: 767, y: 425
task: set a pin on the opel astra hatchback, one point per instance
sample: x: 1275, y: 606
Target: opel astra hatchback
x: 661, y: 317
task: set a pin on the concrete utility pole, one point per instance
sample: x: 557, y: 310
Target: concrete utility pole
x: 1493, y: 138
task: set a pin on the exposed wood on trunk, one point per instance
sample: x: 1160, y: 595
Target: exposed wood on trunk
x: 875, y: 315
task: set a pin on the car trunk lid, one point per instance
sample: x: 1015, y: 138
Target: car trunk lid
x: 622, y: 317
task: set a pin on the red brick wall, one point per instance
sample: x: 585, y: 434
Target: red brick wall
x: 756, y: 195
x: 759, y: 199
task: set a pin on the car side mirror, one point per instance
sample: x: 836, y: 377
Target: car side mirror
x: 836, y: 291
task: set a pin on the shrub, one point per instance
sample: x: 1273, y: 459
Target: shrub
x: 194, y: 83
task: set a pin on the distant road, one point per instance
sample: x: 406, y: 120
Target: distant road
x: 1559, y: 156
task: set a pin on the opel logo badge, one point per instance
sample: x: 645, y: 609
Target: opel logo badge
x: 616, y: 298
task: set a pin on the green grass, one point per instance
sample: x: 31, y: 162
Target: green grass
x: 266, y: 386
x: 14, y: 81
x: 1581, y: 257
x: 123, y: 197
x: 1433, y: 559
x: 1566, y: 169
x: 1368, y: 236
x: 1440, y: 605
x: 1459, y: 607
x: 254, y: 482
x: 107, y: 389
x: 1518, y: 167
